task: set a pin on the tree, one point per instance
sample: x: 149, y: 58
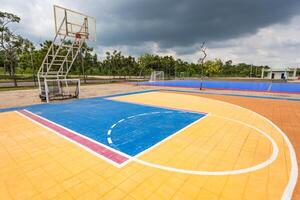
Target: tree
x: 2, y: 58
x: 116, y: 63
x: 212, y: 67
x: 26, y: 59
x: 149, y: 62
x: 82, y: 62
x: 144, y: 63
x: 168, y: 62
x: 10, y: 43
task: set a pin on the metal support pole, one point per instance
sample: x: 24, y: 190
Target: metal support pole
x: 46, y: 91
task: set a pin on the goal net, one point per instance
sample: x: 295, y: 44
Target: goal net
x: 60, y: 89
x: 157, y: 76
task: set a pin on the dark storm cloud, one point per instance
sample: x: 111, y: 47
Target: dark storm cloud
x: 179, y: 23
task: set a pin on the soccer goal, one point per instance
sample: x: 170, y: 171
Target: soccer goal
x: 157, y: 76
x: 55, y: 89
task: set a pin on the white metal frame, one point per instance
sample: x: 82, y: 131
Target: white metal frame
x: 61, y: 55
x: 60, y: 89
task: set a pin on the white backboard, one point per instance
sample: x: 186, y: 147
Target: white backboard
x: 69, y: 22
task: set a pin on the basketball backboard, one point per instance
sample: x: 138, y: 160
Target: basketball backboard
x: 72, y: 23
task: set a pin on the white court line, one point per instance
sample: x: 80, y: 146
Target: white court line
x: 294, y: 166
x: 288, y: 192
x: 220, y: 173
x: 82, y: 146
x: 168, y: 111
x: 169, y: 137
x: 152, y: 113
x: 121, y: 120
x: 109, y: 140
x: 142, y: 114
x: 152, y: 105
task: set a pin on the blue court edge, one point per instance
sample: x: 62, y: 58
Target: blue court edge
x: 230, y: 85
x: 145, y: 91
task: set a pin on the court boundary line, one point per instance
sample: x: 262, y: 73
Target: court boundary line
x: 169, y: 137
x: 228, y: 89
x: 11, y: 109
x: 294, y: 165
x: 99, y: 143
x: 155, y: 106
x: 217, y: 173
x: 253, y: 168
x: 110, y: 130
x: 80, y: 135
x: 228, y: 94
x: 288, y: 192
x: 16, y: 108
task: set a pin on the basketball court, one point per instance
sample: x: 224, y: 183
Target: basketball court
x: 149, y: 144
x: 144, y: 145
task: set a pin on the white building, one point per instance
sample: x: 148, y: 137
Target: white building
x: 283, y: 73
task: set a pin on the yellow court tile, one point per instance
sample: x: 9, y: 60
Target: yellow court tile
x: 204, y: 194
x: 41, y: 165
x: 247, y: 147
x: 52, y: 193
x: 115, y: 194
x: 91, y: 195
x: 78, y: 189
x: 103, y: 187
x: 63, y: 196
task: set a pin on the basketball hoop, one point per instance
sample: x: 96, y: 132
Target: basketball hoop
x: 74, y: 24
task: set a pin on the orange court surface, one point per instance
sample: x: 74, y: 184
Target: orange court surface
x: 154, y: 144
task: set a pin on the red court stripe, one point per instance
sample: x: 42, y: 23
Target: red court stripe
x: 97, y: 148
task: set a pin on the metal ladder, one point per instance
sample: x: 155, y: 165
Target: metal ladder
x: 60, y: 57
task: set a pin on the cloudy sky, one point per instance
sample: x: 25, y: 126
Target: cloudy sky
x: 264, y: 32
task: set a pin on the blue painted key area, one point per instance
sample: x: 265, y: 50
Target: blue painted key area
x: 230, y: 85
x: 140, y: 128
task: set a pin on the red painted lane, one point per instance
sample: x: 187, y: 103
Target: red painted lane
x: 95, y: 147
